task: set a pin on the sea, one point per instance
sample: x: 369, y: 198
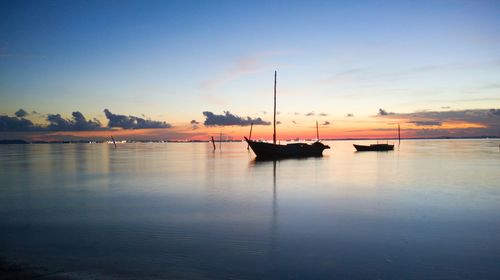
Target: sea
x: 430, y: 209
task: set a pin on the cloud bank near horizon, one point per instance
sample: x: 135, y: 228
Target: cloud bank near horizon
x: 228, y: 119
x: 455, y: 123
x: 474, y: 118
x: 56, y: 122
x: 132, y: 122
x: 78, y: 122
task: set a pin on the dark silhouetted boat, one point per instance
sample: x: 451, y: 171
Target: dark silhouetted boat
x: 296, y: 150
x: 374, y: 147
x: 377, y: 147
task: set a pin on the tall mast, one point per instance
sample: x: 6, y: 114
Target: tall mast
x: 399, y: 135
x: 317, y: 131
x: 274, y: 119
x: 250, y: 136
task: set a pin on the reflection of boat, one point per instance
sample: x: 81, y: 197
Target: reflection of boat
x: 378, y: 147
x: 374, y: 147
x: 296, y: 150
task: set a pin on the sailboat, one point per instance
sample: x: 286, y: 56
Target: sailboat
x: 378, y: 147
x: 295, y: 150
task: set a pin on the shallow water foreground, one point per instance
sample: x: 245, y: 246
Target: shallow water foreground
x: 153, y: 211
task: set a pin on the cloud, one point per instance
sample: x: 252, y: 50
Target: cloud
x: 296, y: 113
x: 55, y: 123
x: 242, y: 67
x: 323, y: 114
x: 294, y: 122
x: 194, y: 124
x: 16, y: 124
x: 484, y: 121
x: 131, y: 122
x: 426, y: 123
x: 495, y: 112
x: 21, y: 113
x: 278, y: 122
x: 382, y: 112
x: 310, y: 114
x: 228, y: 119
x: 77, y: 123
x: 344, y: 76
x: 370, y: 75
x: 326, y: 123
x: 350, y: 115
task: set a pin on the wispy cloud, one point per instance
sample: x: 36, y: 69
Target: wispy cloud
x: 242, y: 67
x: 375, y: 74
x: 426, y: 123
x: 488, y: 119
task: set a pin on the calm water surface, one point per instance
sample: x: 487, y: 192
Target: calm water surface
x: 157, y: 211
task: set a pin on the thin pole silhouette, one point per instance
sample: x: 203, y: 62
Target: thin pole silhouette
x: 317, y: 131
x: 114, y: 143
x: 274, y: 119
x: 399, y: 135
x: 250, y: 136
x: 213, y: 142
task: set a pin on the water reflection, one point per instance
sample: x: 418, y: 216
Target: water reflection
x: 265, y: 165
x: 149, y: 211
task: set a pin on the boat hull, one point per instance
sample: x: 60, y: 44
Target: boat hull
x: 374, y: 148
x: 298, y: 150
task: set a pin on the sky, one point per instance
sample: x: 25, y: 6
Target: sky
x: 184, y: 70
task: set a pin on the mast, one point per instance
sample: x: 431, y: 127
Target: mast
x: 399, y: 135
x: 317, y: 131
x: 250, y: 136
x: 274, y: 119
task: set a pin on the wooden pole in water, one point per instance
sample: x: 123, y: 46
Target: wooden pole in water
x: 250, y: 136
x: 114, y: 143
x: 220, y: 142
x: 213, y: 142
x: 274, y: 119
x: 317, y: 131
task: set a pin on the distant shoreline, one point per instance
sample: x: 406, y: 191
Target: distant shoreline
x: 20, y: 141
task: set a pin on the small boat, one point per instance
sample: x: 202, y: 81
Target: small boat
x: 265, y: 150
x: 295, y: 150
x: 374, y: 147
x: 378, y: 147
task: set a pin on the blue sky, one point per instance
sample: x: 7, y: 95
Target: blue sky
x: 172, y: 60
